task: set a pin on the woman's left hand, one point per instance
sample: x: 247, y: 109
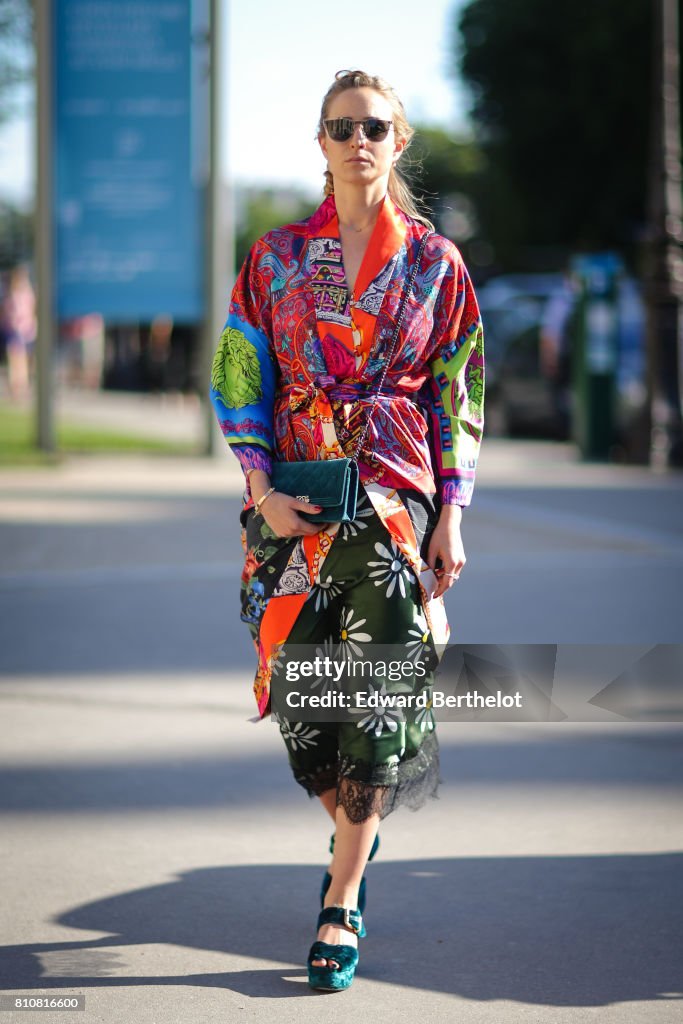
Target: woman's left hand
x: 446, y: 548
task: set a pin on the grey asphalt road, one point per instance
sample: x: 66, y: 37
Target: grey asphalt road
x: 157, y: 857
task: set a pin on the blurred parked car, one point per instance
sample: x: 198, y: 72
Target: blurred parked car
x: 529, y: 321
x: 512, y: 308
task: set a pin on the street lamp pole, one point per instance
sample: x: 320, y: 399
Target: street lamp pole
x: 664, y: 273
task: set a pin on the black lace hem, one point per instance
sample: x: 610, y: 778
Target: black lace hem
x: 315, y: 784
x: 364, y: 790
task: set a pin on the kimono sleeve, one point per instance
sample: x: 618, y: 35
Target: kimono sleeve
x: 457, y: 386
x: 243, y: 371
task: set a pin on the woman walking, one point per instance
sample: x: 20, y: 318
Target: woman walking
x: 311, y: 325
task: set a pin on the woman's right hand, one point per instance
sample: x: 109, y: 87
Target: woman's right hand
x: 281, y: 512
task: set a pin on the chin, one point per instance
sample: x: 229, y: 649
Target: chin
x: 358, y: 172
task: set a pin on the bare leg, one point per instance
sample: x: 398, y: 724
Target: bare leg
x: 329, y: 801
x: 352, y: 847
x: 18, y: 371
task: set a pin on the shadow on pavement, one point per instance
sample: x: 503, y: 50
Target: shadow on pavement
x: 154, y: 626
x: 557, y: 931
x: 642, y: 758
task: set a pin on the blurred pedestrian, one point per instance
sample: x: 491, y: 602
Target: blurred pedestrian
x: 82, y: 350
x: 18, y: 314
x: 555, y: 348
x: 157, y: 353
x: 313, y: 323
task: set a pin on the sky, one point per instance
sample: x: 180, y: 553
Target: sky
x: 279, y: 60
x: 285, y: 56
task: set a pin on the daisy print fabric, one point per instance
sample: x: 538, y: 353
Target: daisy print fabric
x: 361, y: 606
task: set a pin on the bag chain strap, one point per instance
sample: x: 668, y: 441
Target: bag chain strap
x: 399, y: 321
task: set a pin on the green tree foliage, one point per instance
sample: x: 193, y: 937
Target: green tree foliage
x: 447, y: 162
x: 16, y: 235
x: 446, y: 173
x: 261, y: 210
x: 16, y: 52
x: 561, y: 94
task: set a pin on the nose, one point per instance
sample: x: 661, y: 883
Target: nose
x: 359, y: 137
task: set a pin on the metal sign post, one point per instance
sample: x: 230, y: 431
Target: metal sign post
x: 219, y: 226
x: 43, y: 240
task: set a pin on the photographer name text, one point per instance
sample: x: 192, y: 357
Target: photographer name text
x: 437, y: 699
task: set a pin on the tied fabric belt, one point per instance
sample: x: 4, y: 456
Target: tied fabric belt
x: 327, y: 387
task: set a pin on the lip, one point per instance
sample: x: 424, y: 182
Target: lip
x: 357, y: 160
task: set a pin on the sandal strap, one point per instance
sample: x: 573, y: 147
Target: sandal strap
x: 343, y: 956
x: 344, y: 916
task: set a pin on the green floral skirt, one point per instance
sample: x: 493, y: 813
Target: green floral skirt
x: 368, y: 598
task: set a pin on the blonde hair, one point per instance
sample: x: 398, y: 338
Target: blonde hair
x: 398, y: 188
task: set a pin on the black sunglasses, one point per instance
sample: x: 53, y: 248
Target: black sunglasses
x: 340, y: 129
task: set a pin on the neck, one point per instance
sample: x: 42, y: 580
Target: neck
x: 358, y: 209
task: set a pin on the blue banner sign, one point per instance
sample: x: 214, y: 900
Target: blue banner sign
x: 130, y: 159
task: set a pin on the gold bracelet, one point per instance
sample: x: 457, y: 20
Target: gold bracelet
x: 257, y: 504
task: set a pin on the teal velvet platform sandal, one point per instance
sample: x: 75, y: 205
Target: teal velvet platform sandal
x: 335, y: 978
x: 327, y: 877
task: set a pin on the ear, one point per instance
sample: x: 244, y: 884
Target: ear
x: 322, y: 142
x: 399, y: 146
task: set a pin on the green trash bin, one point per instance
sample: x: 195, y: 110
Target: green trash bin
x: 595, y: 352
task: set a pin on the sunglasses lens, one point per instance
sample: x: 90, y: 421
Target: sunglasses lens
x: 375, y: 129
x: 340, y: 129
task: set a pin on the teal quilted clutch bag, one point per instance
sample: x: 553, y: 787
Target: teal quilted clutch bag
x: 332, y: 483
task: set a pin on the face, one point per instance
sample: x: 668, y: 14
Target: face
x: 360, y: 161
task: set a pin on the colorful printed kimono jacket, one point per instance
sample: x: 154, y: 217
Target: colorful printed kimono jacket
x: 293, y: 379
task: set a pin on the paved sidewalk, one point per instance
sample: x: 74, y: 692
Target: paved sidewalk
x: 157, y: 855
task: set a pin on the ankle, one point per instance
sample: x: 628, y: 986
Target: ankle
x: 342, y: 896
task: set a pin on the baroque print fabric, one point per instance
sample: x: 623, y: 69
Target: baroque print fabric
x: 293, y: 379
